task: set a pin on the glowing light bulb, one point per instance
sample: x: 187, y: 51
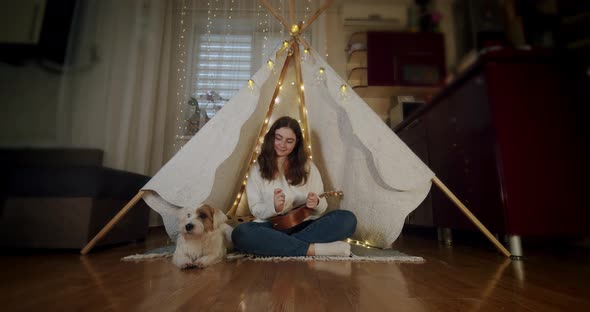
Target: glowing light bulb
x: 294, y: 29
x: 285, y: 43
x: 251, y: 85
x: 343, y: 92
x: 321, y: 76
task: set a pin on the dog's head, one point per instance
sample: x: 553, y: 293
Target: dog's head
x: 201, y: 220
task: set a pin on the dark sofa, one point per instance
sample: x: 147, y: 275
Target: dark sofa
x: 60, y: 198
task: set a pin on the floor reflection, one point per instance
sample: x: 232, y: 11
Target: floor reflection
x: 246, y: 285
x: 491, y: 284
x: 519, y: 272
x: 98, y: 283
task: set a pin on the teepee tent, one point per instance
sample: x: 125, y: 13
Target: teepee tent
x: 381, y: 178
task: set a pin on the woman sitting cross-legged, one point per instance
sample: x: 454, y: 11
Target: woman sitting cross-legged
x: 284, y: 177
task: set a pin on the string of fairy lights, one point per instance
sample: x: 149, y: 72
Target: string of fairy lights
x: 291, y: 47
x: 181, y: 73
x: 215, y: 10
x: 365, y: 244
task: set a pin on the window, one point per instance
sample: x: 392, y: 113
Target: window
x: 226, y: 43
x: 224, y: 64
x: 224, y: 57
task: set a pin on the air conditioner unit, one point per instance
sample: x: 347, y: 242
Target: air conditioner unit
x: 393, y: 16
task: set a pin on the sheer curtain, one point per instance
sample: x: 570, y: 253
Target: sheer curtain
x: 226, y: 42
x: 115, y: 92
x: 146, y: 75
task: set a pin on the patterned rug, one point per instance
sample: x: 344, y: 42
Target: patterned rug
x: 359, y: 253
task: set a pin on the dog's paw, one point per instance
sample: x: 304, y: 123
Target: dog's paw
x: 199, y: 265
x: 186, y: 266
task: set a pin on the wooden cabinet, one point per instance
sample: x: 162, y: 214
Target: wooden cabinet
x: 405, y: 59
x: 387, y: 59
x: 382, y: 65
x: 503, y: 137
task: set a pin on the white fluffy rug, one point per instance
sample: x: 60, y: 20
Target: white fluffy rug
x: 358, y: 254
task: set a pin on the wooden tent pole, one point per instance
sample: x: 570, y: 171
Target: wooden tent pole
x: 469, y: 215
x: 112, y: 223
x: 262, y: 132
x: 300, y: 88
x: 292, y: 12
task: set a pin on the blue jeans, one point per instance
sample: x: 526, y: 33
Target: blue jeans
x: 261, y: 239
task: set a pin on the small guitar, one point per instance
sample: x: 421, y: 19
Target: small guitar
x: 296, y: 215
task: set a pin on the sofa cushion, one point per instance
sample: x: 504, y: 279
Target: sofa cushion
x: 44, y: 157
x: 68, y: 222
x: 76, y: 181
x: 60, y: 198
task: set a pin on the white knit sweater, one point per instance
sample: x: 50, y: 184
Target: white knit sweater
x: 260, y: 193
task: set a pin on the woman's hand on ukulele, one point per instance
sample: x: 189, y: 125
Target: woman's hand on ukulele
x: 279, y: 199
x: 312, y: 200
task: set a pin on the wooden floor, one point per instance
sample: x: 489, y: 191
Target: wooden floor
x: 459, y: 278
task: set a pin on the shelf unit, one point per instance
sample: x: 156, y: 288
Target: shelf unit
x: 381, y: 98
x: 389, y: 91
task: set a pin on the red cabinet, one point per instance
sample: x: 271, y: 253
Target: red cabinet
x: 504, y: 138
x: 405, y: 59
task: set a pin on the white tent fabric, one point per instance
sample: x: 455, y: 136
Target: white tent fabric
x: 382, y: 179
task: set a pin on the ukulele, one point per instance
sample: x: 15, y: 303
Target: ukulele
x: 296, y: 215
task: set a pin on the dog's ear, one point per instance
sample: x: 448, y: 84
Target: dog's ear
x: 217, y: 215
x: 219, y: 218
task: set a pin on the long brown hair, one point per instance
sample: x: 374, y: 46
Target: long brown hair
x: 295, y: 167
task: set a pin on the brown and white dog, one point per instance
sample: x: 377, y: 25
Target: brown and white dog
x: 203, y: 237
